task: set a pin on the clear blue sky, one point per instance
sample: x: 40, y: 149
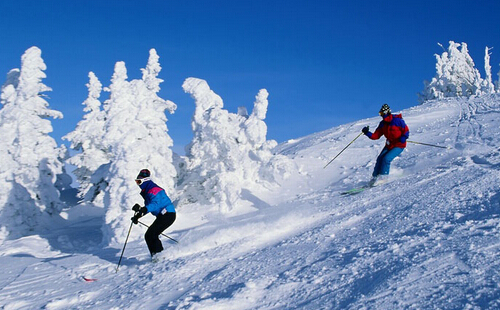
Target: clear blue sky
x: 324, y: 63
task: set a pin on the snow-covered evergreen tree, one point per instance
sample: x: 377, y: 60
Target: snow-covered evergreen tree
x: 152, y: 115
x: 87, y: 138
x: 270, y: 167
x: 212, y: 168
x: 488, y: 87
x: 255, y: 127
x: 497, y: 84
x: 30, y: 158
x: 456, y: 75
x: 137, y: 137
x: 228, y: 151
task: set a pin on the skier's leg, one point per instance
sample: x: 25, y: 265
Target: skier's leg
x: 165, y: 220
x: 385, y: 161
x: 162, y: 222
x: 152, y: 240
x: 378, y: 165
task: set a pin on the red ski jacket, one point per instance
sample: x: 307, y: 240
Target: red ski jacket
x: 394, y: 128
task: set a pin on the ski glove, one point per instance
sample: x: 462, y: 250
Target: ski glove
x: 139, y: 212
x: 366, y: 129
x: 136, y: 207
x: 142, y: 210
x: 135, y: 218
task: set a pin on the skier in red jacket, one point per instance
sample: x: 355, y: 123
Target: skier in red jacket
x: 394, y: 128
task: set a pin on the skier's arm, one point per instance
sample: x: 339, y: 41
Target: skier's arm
x: 405, y: 133
x: 377, y: 134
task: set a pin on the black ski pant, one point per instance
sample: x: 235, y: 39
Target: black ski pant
x: 162, y: 222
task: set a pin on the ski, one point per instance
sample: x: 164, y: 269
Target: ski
x: 354, y: 191
x: 88, y: 279
x: 373, y: 183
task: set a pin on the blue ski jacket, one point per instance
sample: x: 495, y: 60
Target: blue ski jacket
x: 155, y: 198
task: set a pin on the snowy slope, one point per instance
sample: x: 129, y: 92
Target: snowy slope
x: 429, y: 239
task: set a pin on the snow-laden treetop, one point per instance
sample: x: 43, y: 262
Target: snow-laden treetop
x: 457, y: 75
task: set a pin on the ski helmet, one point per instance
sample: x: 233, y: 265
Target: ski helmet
x: 385, y: 109
x: 144, y: 173
x: 143, y: 176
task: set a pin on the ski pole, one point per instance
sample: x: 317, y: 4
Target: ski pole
x: 427, y: 144
x: 161, y: 233
x: 342, y: 150
x: 131, y: 223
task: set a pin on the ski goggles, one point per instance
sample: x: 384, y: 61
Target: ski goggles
x: 140, y: 181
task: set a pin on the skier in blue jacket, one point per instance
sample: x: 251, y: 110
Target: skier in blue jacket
x: 159, y: 204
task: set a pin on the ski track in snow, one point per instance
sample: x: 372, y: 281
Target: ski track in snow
x: 429, y: 239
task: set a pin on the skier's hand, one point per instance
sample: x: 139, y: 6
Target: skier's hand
x: 366, y: 129
x: 135, y: 219
x: 402, y: 139
x: 136, y: 207
x: 143, y: 211
x: 138, y: 214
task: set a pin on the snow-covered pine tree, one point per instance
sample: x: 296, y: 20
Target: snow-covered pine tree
x: 212, y: 171
x: 137, y: 136
x: 152, y: 116
x: 87, y: 139
x: 267, y: 166
x: 456, y: 75
x: 254, y: 127
x: 488, y: 87
x: 228, y: 152
x: 497, y: 83
x: 31, y: 159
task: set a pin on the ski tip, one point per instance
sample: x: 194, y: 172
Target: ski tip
x: 354, y: 191
x: 88, y: 279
